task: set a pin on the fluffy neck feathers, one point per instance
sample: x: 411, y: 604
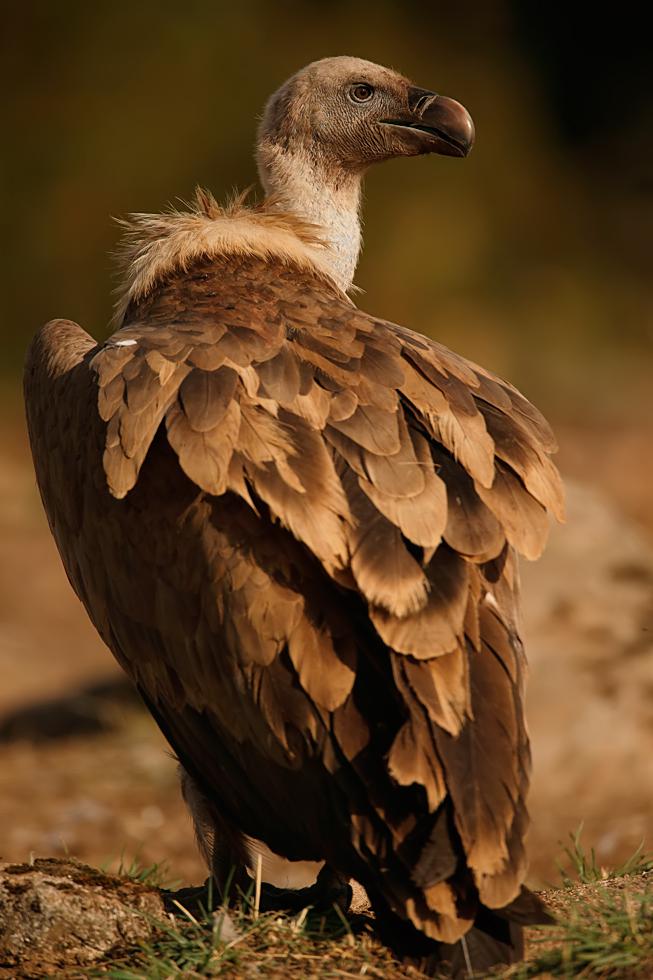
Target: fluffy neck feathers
x: 156, y: 245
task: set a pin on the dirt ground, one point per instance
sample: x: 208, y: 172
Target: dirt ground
x: 84, y: 771
x: 119, y: 927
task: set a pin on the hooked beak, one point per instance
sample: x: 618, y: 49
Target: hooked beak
x: 441, y: 125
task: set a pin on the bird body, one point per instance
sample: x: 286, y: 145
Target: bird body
x: 295, y: 526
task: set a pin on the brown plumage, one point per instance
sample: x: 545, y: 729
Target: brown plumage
x: 295, y: 526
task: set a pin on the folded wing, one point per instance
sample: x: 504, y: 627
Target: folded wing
x: 405, y: 478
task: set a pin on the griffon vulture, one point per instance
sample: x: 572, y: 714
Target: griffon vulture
x: 295, y: 525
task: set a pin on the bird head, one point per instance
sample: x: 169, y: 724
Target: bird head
x: 346, y: 114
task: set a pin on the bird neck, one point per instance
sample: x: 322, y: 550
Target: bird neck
x: 306, y: 187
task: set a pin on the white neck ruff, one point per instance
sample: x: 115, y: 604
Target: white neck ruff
x: 156, y: 245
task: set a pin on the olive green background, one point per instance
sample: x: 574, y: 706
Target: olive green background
x: 531, y: 257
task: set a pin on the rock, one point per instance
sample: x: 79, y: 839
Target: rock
x: 59, y: 913
x: 360, y: 903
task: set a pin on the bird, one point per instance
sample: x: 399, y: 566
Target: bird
x: 297, y: 525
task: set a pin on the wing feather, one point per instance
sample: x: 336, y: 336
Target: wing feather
x: 383, y: 568
x: 421, y: 517
x: 206, y: 395
x: 472, y: 529
x: 435, y: 629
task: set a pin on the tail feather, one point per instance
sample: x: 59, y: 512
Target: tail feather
x: 492, y: 941
x: 495, y: 939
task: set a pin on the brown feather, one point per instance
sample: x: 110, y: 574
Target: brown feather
x: 110, y: 360
x: 343, y: 405
x: 326, y: 677
x: 531, y: 463
x: 441, y: 685
x: 372, y: 428
x: 421, y: 518
x: 204, y: 456
x: 110, y: 397
x: 313, y: 406
x: 207, y: 358
x: 437, y: 627
x: 280, y: 377
x: 481, y: 767
x: 206, y: 395
x: 384, y: 571
x: 462, y: 432
x: 472, y: 530
x: 398, y: 474
x: 523, y: 519
x: 162, y: 367
x: 412, y: 760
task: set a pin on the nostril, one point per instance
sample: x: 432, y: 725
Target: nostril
x: 422, y: 102
x: 419, y: 99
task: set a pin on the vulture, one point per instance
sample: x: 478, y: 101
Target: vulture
x: 296, y: 526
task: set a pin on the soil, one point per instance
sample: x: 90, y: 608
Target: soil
x: 62, y: 918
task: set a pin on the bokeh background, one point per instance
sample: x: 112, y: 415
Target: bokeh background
x: 532, y: 257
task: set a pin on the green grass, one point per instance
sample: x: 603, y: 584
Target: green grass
x: 610, y: 936
x: 604, y: 931
x: 238, y: 942
x: 604, y: 924
x: 604, y: 935
x: 187, y: 949
x: 584, y: 866
x: 155, y: 875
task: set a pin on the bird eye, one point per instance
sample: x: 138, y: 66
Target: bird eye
x: 361, y: 92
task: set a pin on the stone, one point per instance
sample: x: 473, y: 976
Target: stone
x: 58, y: 913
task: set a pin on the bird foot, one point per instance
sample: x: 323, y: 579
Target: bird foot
x: 328, y: 890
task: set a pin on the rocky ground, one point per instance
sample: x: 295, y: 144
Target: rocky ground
x: 60, y: 918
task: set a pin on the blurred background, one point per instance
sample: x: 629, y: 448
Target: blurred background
x: 531, y: 257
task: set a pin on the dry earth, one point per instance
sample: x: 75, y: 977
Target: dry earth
x: 60, y: 918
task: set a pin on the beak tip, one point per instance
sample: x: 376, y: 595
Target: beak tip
x: 438, y: 124
x: 460, y: 124
x: 471, y: 135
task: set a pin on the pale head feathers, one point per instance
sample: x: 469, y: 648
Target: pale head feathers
x: 315, y: 115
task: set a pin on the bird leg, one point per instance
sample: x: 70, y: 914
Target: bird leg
x: 223, y: 847
x: 234, y: 861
